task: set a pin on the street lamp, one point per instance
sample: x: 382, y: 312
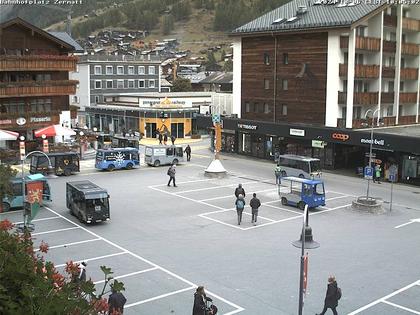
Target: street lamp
x: 371, y: 144
x: 81, y: 134
x: 306, y: 241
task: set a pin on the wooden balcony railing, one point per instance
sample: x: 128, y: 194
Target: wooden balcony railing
x: 389, y: 46
x: 407, y: 120
x: 359, y: 98
x: 38, y: 63
x: 408, y: 97
x: 410, y: 49
x: 363, y: 43
x: 410, y: 24
x: 37, y: 88
x: 390, y: 20
x: 388, y: 72
x: 409, y: 73
x: 361, y: 71
x: 387, y: 97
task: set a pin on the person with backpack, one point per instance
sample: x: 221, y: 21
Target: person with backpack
x: 239, y: 191
x: 332, y: 296
x: 171, y: 173
x: 240, y: 205
x: 200, y: 303
x: 254, y: 204
x: 116, y: 302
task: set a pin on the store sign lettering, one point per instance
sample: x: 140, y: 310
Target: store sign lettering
x: 248, y: 127
x: 375, y: 141
x: 297, y: 132
x: 40, y: 119
x: 340, y: 136
x: 5, y: 122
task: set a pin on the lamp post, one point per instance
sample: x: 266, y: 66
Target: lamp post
x: 45, y: 147
x: 371, y: 143
x: 306, y: 241
x: 81, y: 134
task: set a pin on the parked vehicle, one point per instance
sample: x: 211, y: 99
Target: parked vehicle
x: 16, y: 199
x: 65, y: 163
x: 163, y: 155
x: 118, y: 141
x: 299, y: 166
x: 104, y: 140
x: 87, y: 201
x: 302, y: 192
x: 117, y: 158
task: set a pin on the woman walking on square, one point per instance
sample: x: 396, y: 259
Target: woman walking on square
x: 332, y: 296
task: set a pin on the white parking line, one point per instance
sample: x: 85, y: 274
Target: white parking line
x: 92, y: 259
x: 71, y: 244
x: 232, y: 196
x: 284, y: 209
x: 384, y: 298
x: 186, y: 182
x: 129, y: 274
x: 192, y: 285
x: 159, y: 297
x: 339, y: 197
x: 55, y: 231
x: 221, y: 222
x: 210, y: 188
x: 37, y: 220
x: 402, y: 307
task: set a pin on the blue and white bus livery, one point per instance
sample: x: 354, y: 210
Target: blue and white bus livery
x: 117, y: 158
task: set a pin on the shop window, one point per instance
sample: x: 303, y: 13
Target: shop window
x: 285, y: 58
x: 266, y: 59
x: 266, y: 84
x: 284, y: 110
x: 285, y: 85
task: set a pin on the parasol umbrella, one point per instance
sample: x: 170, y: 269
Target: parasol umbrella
x: 8, y: 135
x: 54, y: 130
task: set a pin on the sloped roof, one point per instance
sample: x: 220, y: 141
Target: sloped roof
x: 318, y: 15
x: 65, y: 37
x: 218, y: 78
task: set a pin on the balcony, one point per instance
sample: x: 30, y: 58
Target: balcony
x: 390, y: 20
x: 411, y: 24
x: 385, y: 122
x: 410, y: 49
x: 387, y: 97
x: 409, y: 73
x: 388, y: 72
x: 37, y: 88
x: 361, y: 71
x: 359, y: 98
x: 389, y: 46
x: 38, y: 63
x: 408, y: 97
x: 362, y: 43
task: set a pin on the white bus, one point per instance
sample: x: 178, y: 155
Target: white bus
x: 299, y: 166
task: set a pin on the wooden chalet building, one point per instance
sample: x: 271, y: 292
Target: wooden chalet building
x: 34, y: 77
x: 306, y: 74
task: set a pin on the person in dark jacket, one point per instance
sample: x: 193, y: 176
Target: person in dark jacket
x: 160, y: 137
x: 82, y: 274
x: 165, y: 139
x: 200, y: 300
x: 116, y: 302
x: 188, y: 152
x: 240, y: 205
x: 171, y: 173
x: 255, y: 203
x: 331, y: 300
x: 239, y: 191
x: 173, y: 140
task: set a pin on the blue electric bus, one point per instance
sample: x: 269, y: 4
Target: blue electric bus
x: 117, y: 158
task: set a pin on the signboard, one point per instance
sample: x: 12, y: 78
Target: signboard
x: 340, y: 136
x: 297, y: 132
x: 40, y: 119
x: 247, y: 126
x: 318, y: 144
x: 5, y: 122
x: 368, y: 172
x: 34, y: 197
x: 215, y: 118
x: 380, y: 142
x: 20, y: 121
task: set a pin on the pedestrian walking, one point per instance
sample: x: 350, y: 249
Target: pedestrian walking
x: 255, y: 203
x: 277, y: 173
x: 332, y: 296
x: 165, y: 139
x: 171, y: 174
x: 160, y: 137
x: 240, y: 205
x: 116, y: 302
x: 188, y: 152
x: 200, y: 303
x: 82, y: 272
x: 239, y: 191
x: 173, y: 139
x: 378, y: 171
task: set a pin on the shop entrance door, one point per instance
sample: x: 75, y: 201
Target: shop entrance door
x: 177, y: 130
x: 257, y: 147
x: 150, y: 130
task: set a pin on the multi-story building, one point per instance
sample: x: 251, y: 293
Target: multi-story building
x: 306, y: 74
x: 34, y: 77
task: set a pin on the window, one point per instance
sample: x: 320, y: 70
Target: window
x: 120, y: 84
x: 266, y: 84
x: 109, y: 84
x: 285, y: 58
x: 393, y: 36
x: 361, y: 31
x: 257, y: 108
x: 120, y: 70
x: 266, y: 108
x: 151, y: 69
x: 98, y: 84
x: 401, y: 86
x: 389, y: 111
x: 404, y: 38
x: 131, y: 70
x: 141, y: 83
x: 266, y: 59
x: 346, y: 57
x: 247, y: 107
x: 75, y: 99
x: 131, y: 84
x: 285, y: 85
x: 344, y: 85
x: 152, y: 84
x: 141, y: 70
x: 109, y: 70
x: 96, y: 99
x: 358, y: 59
x: 98, y: 70
x: 284, y: 110
x: 402, y: 63
x: 391, y: 86
x: 391, y: 61
x: 400, y: 110
x: 357, y: 112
